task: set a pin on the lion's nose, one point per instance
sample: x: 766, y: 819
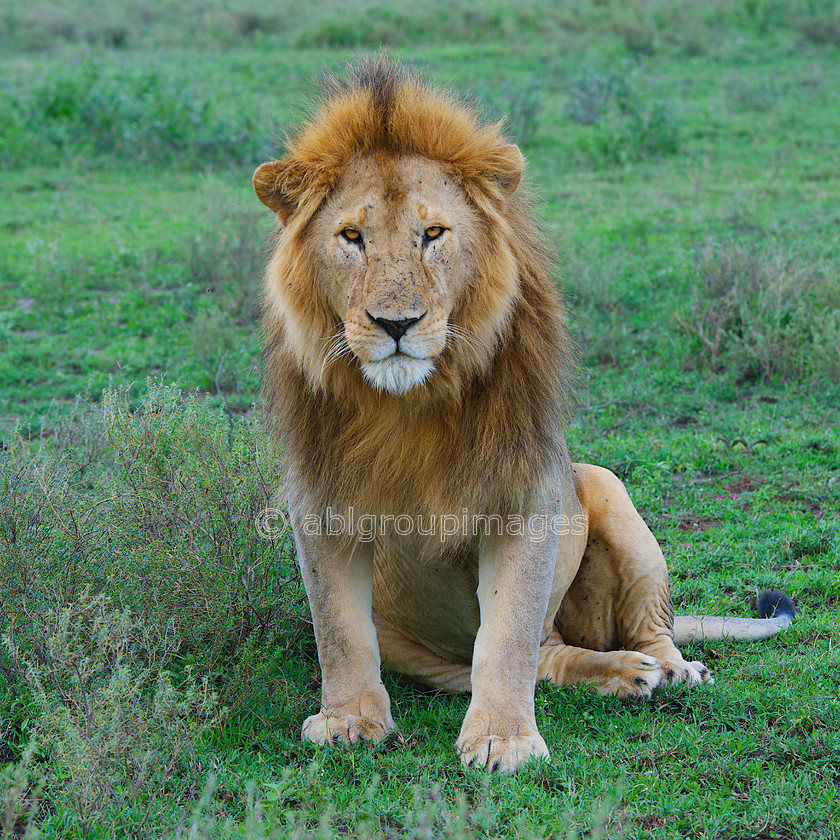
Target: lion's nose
x: 395, y: 328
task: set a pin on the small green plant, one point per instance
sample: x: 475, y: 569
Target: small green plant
x: 157, y: 506
x: 20, y: 790
x: 104, y: 108
x: 758, y: 98
x: 621, y: 126
x: 118, y: 729
x: 250, y: 23
x: 225, y: 259
x: 135, y: 586
x: 634, y: 133
x: 592, y: 93
x: 639, y: 38
x: 758, y: 310
x: 520, y: 105
x: 824, y: 31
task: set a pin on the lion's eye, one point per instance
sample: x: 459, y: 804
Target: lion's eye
x: 352, y: 235
x: 433, y: 232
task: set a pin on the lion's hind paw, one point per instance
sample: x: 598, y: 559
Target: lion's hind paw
x: 634, y: 677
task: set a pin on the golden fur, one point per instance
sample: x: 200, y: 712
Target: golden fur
x: 418, y: 363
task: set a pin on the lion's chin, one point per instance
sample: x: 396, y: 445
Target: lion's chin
x: 398, y: 374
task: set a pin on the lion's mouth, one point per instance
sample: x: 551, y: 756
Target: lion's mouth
x: 409, y: 353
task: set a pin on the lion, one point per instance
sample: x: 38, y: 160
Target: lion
x: 419, y: 371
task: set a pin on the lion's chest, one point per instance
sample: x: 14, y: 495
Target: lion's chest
x: 428, y: 592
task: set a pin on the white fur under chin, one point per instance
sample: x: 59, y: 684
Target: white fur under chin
x: 398, y: 374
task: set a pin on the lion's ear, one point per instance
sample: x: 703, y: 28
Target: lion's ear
x: 270, y: 185
x: 509, y: 168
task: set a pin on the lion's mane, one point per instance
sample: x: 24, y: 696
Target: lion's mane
x: 486, y: 429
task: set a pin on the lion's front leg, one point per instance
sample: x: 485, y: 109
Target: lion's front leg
x: 338, y: 576
x: 514, y: 581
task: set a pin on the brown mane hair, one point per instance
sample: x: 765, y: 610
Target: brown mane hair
x: 480, y: 436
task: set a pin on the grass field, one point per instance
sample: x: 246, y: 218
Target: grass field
x: 157, y: 658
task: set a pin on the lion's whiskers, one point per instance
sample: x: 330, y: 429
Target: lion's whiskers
x: 468, y: 337
x: 335, y: 353
x: 336, y: 347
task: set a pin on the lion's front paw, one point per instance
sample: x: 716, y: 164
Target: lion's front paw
x: 327, y: 727
x: 634, y: 676
x: 367, y: 718
x: 498, y: 743
x: 678, y: 671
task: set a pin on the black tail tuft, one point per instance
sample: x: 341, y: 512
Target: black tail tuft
x: 774, y: 604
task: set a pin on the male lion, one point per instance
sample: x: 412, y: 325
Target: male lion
x: 417, y: 367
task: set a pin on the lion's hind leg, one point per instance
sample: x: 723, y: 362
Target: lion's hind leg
x: 620, y: 597
x: 404, y: 656
x: 627, y: 674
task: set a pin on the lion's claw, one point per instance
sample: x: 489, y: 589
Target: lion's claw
x: 496, y: 742
x: 492, y: 752
x: 365, y: 718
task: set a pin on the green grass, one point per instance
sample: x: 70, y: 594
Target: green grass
x: 685, y: 158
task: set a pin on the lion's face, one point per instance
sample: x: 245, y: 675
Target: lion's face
x: 393, y: 244
x: 398, y: 259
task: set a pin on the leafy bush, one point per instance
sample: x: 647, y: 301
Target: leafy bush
x: 223, y: 262
x: 20, y: 784
x: 134, y: 112
x: 758, y: 98
x: 157, y: 508
x: 193, y: 486
x: 592, y: 93
x: 824, y: 31
x: 520, y: 105
x: 639, y: 38
x: 634, y: 133
x: 761, y: 312
x: 622, y: 127
x: 118, y: 732
x: 137, y: 596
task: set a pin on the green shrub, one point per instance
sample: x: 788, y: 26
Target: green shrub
x: 117, y: 730
x: 592, y: 93
x: 226, y: 258
x: 158, y: 508
x: 20, y: 789
x: 634, y: 133
x: 16, y: 139
x: 223, y: 262
x: 824, y: 31
x: 138, y: 596
x: 104, y: 108
x: 519, y: 105
x: 193, y: 485
x: 758, y: 98
x: 759, y: 311
x: 621, y: 126
x: 639, y: 38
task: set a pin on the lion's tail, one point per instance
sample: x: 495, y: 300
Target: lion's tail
x: 774, y: 607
